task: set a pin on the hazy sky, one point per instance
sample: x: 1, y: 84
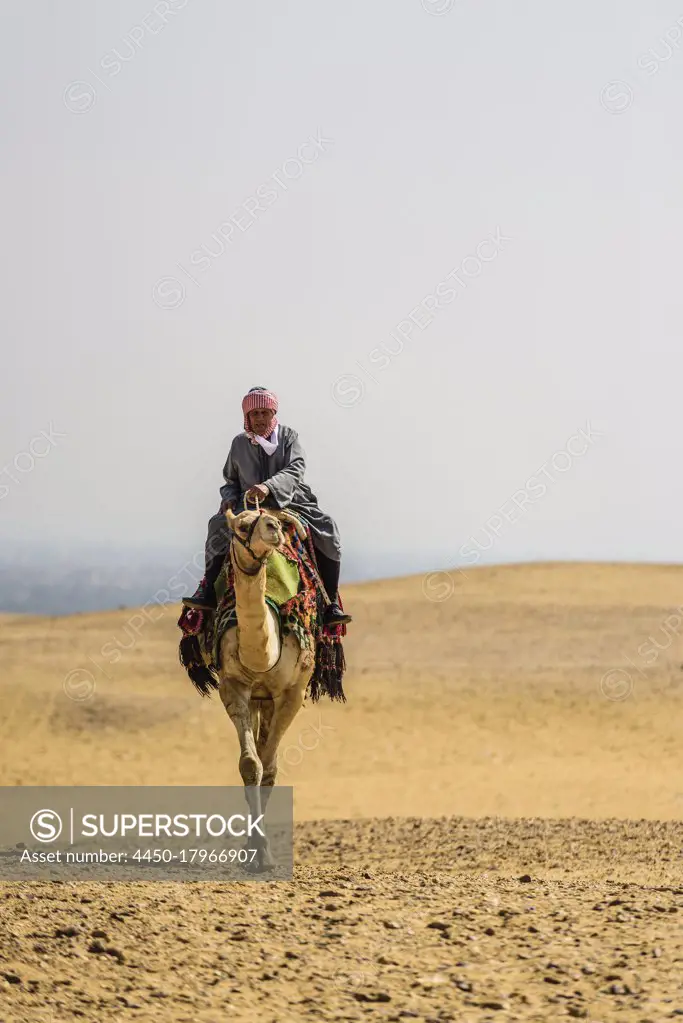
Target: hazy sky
x: 199, y: 196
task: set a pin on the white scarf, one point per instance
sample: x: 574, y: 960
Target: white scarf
x: 270, y: 444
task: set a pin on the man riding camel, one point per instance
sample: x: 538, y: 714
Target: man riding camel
x: 267, y: 462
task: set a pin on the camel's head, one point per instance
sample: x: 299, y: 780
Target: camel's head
x: 260, y: 532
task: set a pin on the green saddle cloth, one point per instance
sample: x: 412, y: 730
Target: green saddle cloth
x: 282, y: 580
x: 282, y: 583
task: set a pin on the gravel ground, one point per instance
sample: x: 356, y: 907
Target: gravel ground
x: 397, y: 919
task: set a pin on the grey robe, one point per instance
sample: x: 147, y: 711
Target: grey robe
x: 283, y: 474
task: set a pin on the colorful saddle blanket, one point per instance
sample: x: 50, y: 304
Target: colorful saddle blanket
x: 294, y: 591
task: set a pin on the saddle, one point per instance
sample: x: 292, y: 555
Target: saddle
x: 296, y: 594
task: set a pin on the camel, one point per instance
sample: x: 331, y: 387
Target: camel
x: 263, y: 680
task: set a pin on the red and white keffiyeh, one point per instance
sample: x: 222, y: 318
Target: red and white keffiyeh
x: 258, y: 398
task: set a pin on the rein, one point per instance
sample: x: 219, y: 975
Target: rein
x: 250, y: 532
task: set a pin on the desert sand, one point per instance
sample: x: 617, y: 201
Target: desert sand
x: 489, y: 829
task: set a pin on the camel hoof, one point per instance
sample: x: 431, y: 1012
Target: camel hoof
x: 258, y: 868
x: 262, y: 862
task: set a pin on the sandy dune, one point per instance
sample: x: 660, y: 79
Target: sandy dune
x: 527, y: 725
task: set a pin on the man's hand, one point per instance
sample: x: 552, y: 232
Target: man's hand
x: 259, y: 491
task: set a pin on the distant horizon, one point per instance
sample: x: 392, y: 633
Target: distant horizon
x: 28, y: 588
x: 78, y: 553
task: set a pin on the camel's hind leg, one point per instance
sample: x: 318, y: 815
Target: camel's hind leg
x: 264, y: 709
x: 266, y: 712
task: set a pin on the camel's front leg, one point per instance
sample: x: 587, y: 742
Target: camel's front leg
x: 235, y: 696
x: 286, y: 707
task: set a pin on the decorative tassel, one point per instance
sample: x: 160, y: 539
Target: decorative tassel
x: 328, y: 673
x: 193, y: 662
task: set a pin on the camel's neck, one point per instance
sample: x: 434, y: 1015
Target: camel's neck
x: 258, y: 642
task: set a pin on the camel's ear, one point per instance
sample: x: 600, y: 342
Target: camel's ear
x: 286, y: 516
x: 230, y: 516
